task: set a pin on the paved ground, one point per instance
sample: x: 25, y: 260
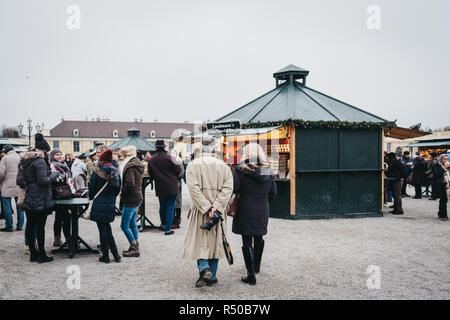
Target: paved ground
x: 316, y: 259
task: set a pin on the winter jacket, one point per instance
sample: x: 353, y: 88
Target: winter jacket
x: 79, y: 168
x: 257, y: 188
x: 397, y: 170
x: 35, y: 176
x: 210, y: 184
x: 131, y: 194
x: 164, y: 171
x: 9, y: 166
x: 104, y: 206
x: 419, y: 177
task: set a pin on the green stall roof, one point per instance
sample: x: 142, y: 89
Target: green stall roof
x: 134, y: 139
x: 292, y: 99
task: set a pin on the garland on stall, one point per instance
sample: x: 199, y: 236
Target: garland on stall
x: 323, y: 124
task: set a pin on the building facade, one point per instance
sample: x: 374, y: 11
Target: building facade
x: 76, y: 137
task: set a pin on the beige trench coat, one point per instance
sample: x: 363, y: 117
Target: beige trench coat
x: 210, y: 184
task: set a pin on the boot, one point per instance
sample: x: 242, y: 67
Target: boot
x: 133, y: 251
x: 105, y: 254
x: 57, y: 242
x: 258, y: 255
x: 115, y: 253
x: 43, y: 258
x: 33, y: 254
x: 249, y: 258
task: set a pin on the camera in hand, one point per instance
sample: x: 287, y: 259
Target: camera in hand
x: 215, y: 220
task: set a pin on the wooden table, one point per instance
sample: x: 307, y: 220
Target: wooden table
x: 76, y: 207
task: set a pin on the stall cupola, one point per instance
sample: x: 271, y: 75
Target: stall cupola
x: 290, y: 73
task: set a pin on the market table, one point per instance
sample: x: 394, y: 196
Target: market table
x: 76, y: 206
x: 142, y: 218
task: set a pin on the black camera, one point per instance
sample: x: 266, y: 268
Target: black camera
x: 214, y: 220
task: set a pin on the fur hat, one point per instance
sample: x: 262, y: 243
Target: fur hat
x: 40, y: 143
x: 106, y: 156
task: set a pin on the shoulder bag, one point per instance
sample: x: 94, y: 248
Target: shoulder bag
x: 233, y: 203
x: 87, y: 213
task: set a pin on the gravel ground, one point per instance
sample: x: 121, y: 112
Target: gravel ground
x: 312, y: 259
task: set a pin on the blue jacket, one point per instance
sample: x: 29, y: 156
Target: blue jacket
x: 103, y: 208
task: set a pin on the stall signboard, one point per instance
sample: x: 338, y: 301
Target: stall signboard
x: 225, y: 127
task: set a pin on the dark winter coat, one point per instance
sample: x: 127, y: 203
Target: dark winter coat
x: 419, y: 177
x: 438, y: 173
x: 396, y: 170
x: 104, y: 206
x: 164, y: 171
x: 35, y: 176
x: 257, y: 188
x: 131, y: 195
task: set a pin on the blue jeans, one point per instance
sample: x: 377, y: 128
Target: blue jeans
x: 128, y: 223
x: 212, y: 264
x: 34, y: 234
x: 166, y: 210
x: 7, y: 206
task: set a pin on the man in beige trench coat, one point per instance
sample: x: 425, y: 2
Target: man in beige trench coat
x: 210, y: 184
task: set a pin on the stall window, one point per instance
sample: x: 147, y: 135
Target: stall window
x: 76, y: 146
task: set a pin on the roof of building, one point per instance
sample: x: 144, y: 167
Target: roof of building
x: 294, y: 100
x: 133, y: 139
x: 102, y: 129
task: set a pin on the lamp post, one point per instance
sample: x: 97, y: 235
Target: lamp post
x: 29, y: 131
x: 20, y: 126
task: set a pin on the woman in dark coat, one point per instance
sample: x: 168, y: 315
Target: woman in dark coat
x: 254, y: 182
x: 419, y: 177
x: 36, y: 178
x: 103, y: 207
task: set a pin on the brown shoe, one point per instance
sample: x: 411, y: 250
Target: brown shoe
x: 133, y: 251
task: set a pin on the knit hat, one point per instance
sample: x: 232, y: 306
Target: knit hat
x: 7, y: 148
x: 106, y: 156
x: 40, y: 143
x: 54, y: 151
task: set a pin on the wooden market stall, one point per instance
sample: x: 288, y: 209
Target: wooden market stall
x: 327, y: 156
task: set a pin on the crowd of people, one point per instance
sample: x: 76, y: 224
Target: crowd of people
x: 39, y: 176
x: 402, y: 169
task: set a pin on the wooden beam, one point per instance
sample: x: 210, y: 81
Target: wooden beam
x: 292, y: 168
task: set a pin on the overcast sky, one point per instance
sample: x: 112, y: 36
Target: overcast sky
x: 194, y: 60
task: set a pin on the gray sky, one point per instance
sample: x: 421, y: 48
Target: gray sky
x: 194, y: 60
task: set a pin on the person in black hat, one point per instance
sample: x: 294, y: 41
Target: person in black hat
x: 396, y: 172
x: 164, y: 171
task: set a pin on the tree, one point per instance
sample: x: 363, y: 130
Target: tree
x: 8, y: 132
